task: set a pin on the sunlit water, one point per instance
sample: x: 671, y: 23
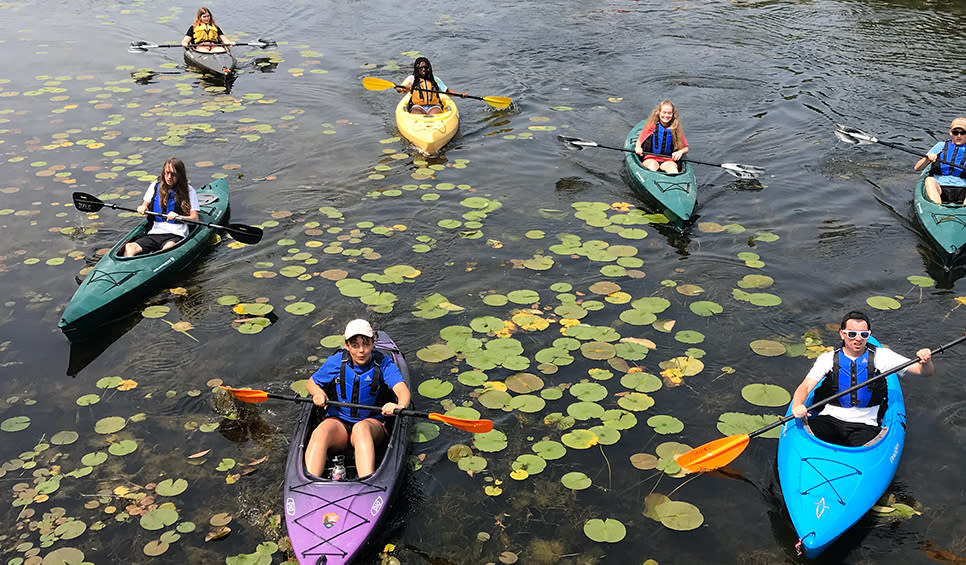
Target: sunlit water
x: 759, y: 83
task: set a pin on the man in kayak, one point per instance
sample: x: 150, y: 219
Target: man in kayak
x: 204, y: 35
x: 946, y: 183
x: 852, y: 419
x: 356, y: 374
x: 425, y: 89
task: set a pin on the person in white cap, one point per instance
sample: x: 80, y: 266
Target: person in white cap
x: 947, y: 159
x: 356, y: 374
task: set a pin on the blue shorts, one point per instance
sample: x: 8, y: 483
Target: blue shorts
x: 425, y: 108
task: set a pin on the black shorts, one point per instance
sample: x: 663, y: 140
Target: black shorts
x: 953, y: 194
x: 152, y: 243
x: 833, y: 430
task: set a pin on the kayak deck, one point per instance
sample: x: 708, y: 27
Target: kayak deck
x: 428, y: 132
x: 945, y: 224
x: 331, y: 521
x: 827, y: 488
x: 221, y: 63
x: 675, y: 195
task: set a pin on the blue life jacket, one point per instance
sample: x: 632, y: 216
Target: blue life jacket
x: 846, y: 373
x: 156, y: 206
x: 951, y: 153
x: 375, y: 386
x: 660, y: 142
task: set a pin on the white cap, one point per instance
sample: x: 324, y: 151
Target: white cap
x: 358, y: 327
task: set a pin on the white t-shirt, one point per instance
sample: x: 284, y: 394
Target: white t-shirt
x: 885, y: 359
x: 161, y: 226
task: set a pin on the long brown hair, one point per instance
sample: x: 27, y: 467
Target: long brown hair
x: 180, y: 187
x: 674, y: 126
x: 203, y: 10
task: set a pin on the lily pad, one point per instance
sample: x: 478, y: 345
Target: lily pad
x: 765, y: 395
x: 608, y: 530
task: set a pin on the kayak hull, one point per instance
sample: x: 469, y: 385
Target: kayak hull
x: 827, y: 488
x: 675, y: 195
x: 945, y: 224
x: 116, y: 283
x: 329, y: 521
x: 428, y: 132
x: 221, y: 64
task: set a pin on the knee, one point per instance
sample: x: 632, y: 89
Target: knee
x: 131, y: 249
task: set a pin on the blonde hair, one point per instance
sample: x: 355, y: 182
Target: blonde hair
x: 674, y: 126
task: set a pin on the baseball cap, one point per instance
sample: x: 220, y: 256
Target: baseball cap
x: 358, y: 327
x: 958, y: 123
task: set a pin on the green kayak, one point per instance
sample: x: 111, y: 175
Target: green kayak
x: 945, y: 224
x: 675, y: 195
x: 117, y: 283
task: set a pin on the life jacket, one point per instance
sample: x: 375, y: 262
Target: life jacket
x: 205, y: 32
x: 951, y: 153
x: 156, y: 205
x: 846, y: 373
x: 337, y: 389
x: 424, y: 97
x: 660, y: 142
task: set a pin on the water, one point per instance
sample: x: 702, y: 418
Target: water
x: 759, y: 83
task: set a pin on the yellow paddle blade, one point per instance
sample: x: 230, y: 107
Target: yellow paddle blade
x: 373, y: 83
x: 473, y: 426
x: 713, y: 455
x: 247, y: 394
x: 498, y: 102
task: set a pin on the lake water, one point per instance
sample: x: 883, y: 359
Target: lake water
x: 507, y: 222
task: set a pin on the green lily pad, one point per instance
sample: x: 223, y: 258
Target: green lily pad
x: 579, y: 439
x: 883, y: 303
x: 765, y: 395
x: 680, y: 516
x: 767, y: 347
x: 576, y: 480
x: 490, y: 442
x: 706, y: 308
x: 435, y: 388
x: 588, y: 392
x: 424, y: 431
x: 549, y: 449
x: 608, y: 530
x: 171, y: 487
x: 736, y: 423
x: 436, y: 353
x: 159, y: 518
x: 110, y: 425
x: 664, y: 424
x: 15, y: 424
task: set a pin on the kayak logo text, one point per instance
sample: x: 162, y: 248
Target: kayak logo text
x: 376, y: 506
x: 290, y: 506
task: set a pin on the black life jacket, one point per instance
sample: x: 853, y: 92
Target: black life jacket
x: 843, y: 376
x: 951, y: 153
x: 660, y: 142
x: 336, y: 389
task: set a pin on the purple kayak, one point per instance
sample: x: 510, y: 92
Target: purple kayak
x: 330, y: 522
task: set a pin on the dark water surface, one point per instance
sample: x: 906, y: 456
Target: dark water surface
x: 758, y: 83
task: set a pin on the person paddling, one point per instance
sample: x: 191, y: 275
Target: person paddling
x: 355, y: 374
x: 661, y: 142
x: 173, y: 198
x: 425, y: 89
x: 203, y: 32
x: 946, y: 183
x: 853, y: 419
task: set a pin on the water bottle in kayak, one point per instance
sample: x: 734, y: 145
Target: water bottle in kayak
x: 338, y: 468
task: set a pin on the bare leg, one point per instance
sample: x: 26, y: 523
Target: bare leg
x: 435, y: 110
x: 651, y: 164
x: 131, y: 249
x: 329, y: 434
x: 669, y: 167
x: 169, y: 244
x: 933, y: 192
x: 416, y: 110
x: 365, y: 436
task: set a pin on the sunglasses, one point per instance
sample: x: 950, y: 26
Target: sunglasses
x: 852, y: 334
x: 958, y: 132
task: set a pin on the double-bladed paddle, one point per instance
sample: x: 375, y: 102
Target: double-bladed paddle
x: 256, y: 396
x: 720, y: 452
x: 859, y: 137
x: 735, y: 169
x: 141, y: 46
x: 245, y: 234
x: 373, y: 83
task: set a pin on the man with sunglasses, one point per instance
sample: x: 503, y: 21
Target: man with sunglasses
x: 852, y: 419
x: 947, y: 181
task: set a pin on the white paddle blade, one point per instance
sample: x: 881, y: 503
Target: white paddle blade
x: 743, y: 171
x: 853, y: 136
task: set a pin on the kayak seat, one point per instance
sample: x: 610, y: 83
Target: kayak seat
x: 883, y: 430
x: 349, y: 460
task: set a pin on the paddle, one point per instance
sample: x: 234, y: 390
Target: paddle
x: 736, y: 169
x: 373, y: 83
x: 859, y: 137
x: 256, y: 396
x: 720, y: 452
x: 245, y: 234
x: 144, y: 45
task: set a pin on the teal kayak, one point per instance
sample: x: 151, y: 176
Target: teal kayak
x: 945, y: 224
x: 675, y: 195
x: 117, y: 283
x: 827, y: 488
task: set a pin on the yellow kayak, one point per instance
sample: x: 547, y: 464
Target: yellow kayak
x: 428, y: 132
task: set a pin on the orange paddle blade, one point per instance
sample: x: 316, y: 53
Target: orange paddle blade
x: 247, y: 394
x: 473, y: 426
x: 713, y: 455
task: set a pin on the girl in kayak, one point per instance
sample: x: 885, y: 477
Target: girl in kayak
x: 946, y: 183
x: 662, y: 143
x: 203, y: 33
x: 173, y: 198
x: 356, y: 374
x: 425, y: 89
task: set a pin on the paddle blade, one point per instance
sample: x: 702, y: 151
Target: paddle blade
x: 743, y: 171
x: 246, y: 394
x: 576, y: 141
x: 264, y: 43
x: 498, y: 102
x: 853, y: 136
x: 86, y: 202
x: 713, y: 455
x: 373, y: 83
x: 245, y: 234
x: 472, y: 426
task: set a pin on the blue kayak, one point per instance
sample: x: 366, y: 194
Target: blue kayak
x: 675, y: 195
x: 827, y: 487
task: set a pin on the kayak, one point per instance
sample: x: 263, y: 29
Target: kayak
x: 118, y: 283
x: 827, y: 488
x: 428, y: 132
x: 221, y: 64
x: 331, y: 521
x: 676, y: 195
x: 945, y: 224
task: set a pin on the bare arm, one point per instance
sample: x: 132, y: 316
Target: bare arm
x: 801, y: 394
x: 403, y: 397
x: 924, y: 367
x: 315, y: 391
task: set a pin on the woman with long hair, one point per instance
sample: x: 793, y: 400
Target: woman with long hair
x: 203, y: 33
x: 173, y: 198
x: 425, y: 89
x: 662, y: 143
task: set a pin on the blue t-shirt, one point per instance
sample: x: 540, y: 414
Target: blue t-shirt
x: 329, y: 371
x: 946, y: 180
